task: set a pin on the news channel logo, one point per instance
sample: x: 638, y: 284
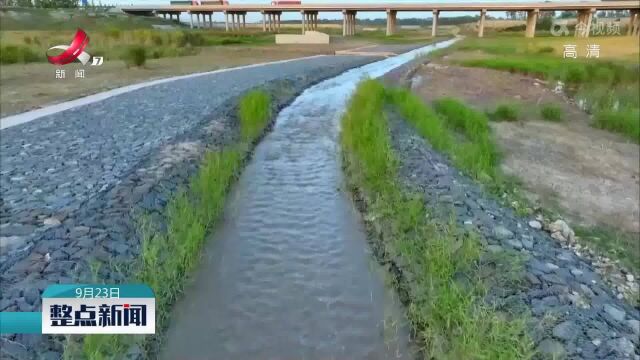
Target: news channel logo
x: 74, y: 51
x: 87, y: 309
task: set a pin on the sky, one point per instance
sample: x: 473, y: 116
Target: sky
x: 368, y: 15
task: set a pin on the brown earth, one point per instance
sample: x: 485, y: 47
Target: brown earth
x: 27, y: 86
x: 588, y: 174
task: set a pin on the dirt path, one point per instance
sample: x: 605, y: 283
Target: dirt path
x: 588, y: 174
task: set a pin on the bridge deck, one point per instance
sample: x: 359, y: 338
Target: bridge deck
x: 489, y: 6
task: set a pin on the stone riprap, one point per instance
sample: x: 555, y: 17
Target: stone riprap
x: 574, y: 314
x: 75, y: 183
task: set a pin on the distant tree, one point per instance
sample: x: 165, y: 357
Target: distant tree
x: 49, y: 4
x: 567, y: 14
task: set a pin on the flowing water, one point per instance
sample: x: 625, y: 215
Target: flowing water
x: 288, y: 274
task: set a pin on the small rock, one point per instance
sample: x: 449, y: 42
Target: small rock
x: 9, y: 243
x: 552, y: 266
x: 576, y: 272
x: 535, y: 224
x: 614, y: 312
x: 515, y: 243
x: 494, y: 249
x: 468, y: 222
x: 563, y: 228
x: 528, y: 244
x: 502, y: 232
x: 532, y: 279
x: 558, y: 236
x: 551, y: 349
x: 596, y: 342
x: 79, y: 231
x: 634, y: 325
x: 630, y: 278
x: 31, y: 295
x: 565, y: 331
x: 623, y: 345
x: 52, y: 221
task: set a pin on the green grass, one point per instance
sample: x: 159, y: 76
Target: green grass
x: 616, y: 244
x: 464, y: 135
x: 168, y: 257
x: 14, y: 54
x: 454, y: 129
x: 552, y: 112
x: 254, y: 112
x: 626, y: 122
x: 609, y: 87
x: 505, y: 112
x: 449, y: 318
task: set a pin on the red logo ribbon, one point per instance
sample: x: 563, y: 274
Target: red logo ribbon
x: 72, y: 52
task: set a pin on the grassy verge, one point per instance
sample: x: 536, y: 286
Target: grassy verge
x: 168, y: 257
x: 609, y: 87
x: 112, y: 43
x: 449, y: 318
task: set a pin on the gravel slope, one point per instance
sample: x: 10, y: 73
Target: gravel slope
x: 72, y: 183
x: 575, y: 315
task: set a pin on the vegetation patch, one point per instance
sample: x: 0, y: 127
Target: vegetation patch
x: 607, y: 88
x: 169, y: 256
x: 505, y: 112
x: 552, y: 112
x: 14, y: 54
x: 135, y: 56
x: 626, y: 122
x: 450, y: 319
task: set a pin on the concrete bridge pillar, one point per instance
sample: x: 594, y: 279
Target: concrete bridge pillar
x: 190, y: 20
x: 583, y: 27
x: 244, y: 20
x: 391, y: 22
x: 278, y: 16
x: 349, y: 23
x: 532, y: 19
x: 434, y: 23
x: 483, y: 15
x: 226, y: 21
x: 634, y: 23
x: 304, y: 25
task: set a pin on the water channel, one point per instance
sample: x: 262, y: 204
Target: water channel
x: 288, y: 274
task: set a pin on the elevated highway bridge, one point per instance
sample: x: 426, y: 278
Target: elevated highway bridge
x: 235, y: 15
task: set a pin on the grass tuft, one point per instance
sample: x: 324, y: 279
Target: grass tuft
x: 450, y: 319
x: 135, y: 56
x: 626, y: 122
x: 505, y: 112
x: 552, y: 112
x: 254, y: 113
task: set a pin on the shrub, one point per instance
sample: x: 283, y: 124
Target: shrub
x: 27, y: 40
x: 505, y: 112
x: 186, y: 38
x: 551, y: 112
x: 13, y: 54
x: 156, y: 39
x: 625, y: 121
x: 113, y: 33
x: 545, y: 50
x: 135, y: 56
x: 575, y: 75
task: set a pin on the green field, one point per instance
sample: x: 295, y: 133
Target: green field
x: 609, y: 86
